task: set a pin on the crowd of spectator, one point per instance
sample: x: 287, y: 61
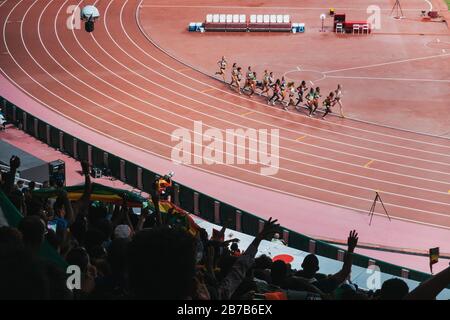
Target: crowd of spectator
x: 125, y: 256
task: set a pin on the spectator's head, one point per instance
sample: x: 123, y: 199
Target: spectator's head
x: 122, y: 231
x: 31, y: 185
x: 20, y: 184
x: 45, y: 184
x: 234, y: 246
x: 263, y: 262
x: 10, y: 237
x: 33, y: 231
x: 93, y: 238
x: 78, y: 257
x: 278, y: 272
x: 310, y: 265
x: 79, y: 229
x: 161, y: 264
x: 105, y: 227
x: 393, y: 289
x: 58, y: 207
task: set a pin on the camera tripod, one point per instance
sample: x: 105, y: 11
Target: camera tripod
x: 372, y: 208
x: 398, y: 9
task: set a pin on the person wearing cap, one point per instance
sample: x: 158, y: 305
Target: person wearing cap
x: 122, y: 231
x: 163, y: 187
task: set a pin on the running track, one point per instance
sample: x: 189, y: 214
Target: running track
x: 116, y: 83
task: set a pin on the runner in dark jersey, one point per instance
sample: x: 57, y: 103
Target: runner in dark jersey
x: 317, y: 96
x: 301, y: 89
x: 276, y: 93
x: 327, y: 104
x: 265, y: 83
x: 310, y: 101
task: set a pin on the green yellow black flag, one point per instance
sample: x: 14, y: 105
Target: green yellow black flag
x: 434, y: 257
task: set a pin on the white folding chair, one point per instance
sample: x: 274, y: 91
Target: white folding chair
x: 280, y: 18
x: 273, y: 18
x: 235, y: 18
x: 259, y: 18
x: 223, y: 18
x: 209, y: 18
x: 266, y: 18
x: 365, y: 28
x: 229, y: 18
x: 339, y: 28
x: 356, y: 27
x: 253, y: 18
x: 242, y: 18
x: 286, y: 18
x: 216, y: 18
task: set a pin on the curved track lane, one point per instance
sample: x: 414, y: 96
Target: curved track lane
x: 115, y: 82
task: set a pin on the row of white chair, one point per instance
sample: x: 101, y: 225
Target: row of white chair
x: 242, y: 18
x: 270, y: 18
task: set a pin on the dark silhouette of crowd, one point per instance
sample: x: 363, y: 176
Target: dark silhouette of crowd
x: 121, y: 255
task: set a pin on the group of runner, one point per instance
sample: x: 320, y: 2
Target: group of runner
x: 286, y: 93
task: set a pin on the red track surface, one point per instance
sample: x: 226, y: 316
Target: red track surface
x: 117, y: 84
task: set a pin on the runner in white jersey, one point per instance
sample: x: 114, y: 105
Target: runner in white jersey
x: 222, y: 65
x: 291, y: 91
x: 337, y: 100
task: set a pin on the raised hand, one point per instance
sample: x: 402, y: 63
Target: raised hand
x: 14, y: 162
x: 269, y: 229
x: 85, y: 167
x: 352, y: 240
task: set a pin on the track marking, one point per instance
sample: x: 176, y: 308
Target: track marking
x: 391, y: 79
x: 387, y: 63
x: 301, y: 138
x: 247, y: 113
x: 184, y: 69
x: 298, y: 68
x: 135, y: 133
x: 208, y: 90
x: 368, y: 163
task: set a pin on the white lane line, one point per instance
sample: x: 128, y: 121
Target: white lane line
x: 390, y: 79
x: 388, y: 63
x: 4, y: 36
